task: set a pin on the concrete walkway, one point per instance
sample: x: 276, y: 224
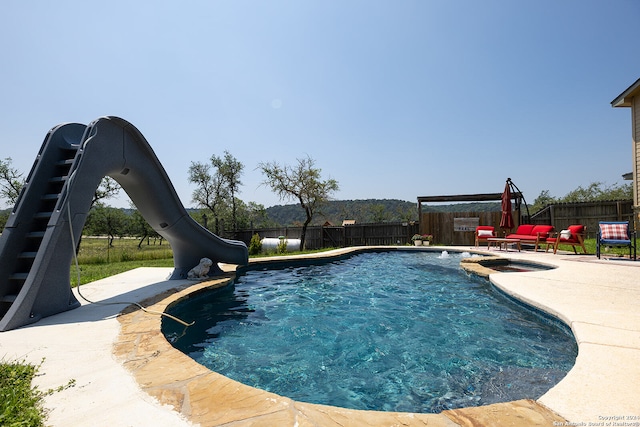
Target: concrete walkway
x: 126, y: 373
x: 600, y: 301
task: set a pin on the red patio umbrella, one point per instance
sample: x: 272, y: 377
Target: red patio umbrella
x: 506, y: 221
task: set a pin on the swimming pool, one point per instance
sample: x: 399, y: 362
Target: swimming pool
x: 391, y: 331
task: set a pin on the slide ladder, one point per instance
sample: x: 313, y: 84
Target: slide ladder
x: 36, y: 246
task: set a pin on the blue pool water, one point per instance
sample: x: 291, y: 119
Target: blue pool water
x: 390, y: 331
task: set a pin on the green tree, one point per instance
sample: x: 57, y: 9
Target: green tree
x: 257, y: 215
x: 105, y: 220
x: 210, y: 191
x: 230, y: 170
x: 599, y: 191
x: 107, y: 189
x: 593, y: 192
x: 11, y: 181
x: 406, y: 214
x: 248, y: 216
x: 139, y: 227
x: 300, y: 182
x: 542, y: 200
x: 217, y: 183
x: 379, y: 213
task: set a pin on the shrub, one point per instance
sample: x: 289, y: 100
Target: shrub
x: 282, y: 247
x: 21, y: 404
x: 255, y: 245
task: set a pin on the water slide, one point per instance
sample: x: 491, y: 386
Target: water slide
x: 36, y: 246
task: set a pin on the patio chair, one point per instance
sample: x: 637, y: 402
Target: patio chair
x: 615, y: 233
x: 484, y: 232
x: 574, y: 236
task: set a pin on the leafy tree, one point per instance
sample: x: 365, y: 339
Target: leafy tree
x: 380, y: 213
x: 257, y: 215
x: 248, y: 216
x: 217, y: 182
x: 139, y: 227
x: 107, y: 189
x: 542, y: 200
x: 11, y: 181
x: 230, y: 170
x: 302, y: 182
x: 210, y: 191
x: 599, y: 191
x: 104, y: 220
x: 407, y: 214
x: 593, y: 192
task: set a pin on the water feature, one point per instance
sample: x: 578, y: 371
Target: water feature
x: 391, y: 331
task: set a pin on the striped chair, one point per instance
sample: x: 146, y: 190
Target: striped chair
x: 615, y: 233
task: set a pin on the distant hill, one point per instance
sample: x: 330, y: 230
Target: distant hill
x: 368, y: 211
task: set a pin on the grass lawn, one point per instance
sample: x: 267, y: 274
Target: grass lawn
x: 590, y: 244
x: 97, y: 259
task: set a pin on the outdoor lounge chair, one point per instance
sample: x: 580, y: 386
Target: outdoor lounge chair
x: 574, y: 235
x: 615, y: 233
x: 484, y: 232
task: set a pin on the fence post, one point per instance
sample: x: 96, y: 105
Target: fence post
x: 619, y: 211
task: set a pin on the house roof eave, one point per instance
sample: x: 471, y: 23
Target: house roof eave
x: 624, y: 99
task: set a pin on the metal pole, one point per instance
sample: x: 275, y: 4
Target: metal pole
x: 515, y: 188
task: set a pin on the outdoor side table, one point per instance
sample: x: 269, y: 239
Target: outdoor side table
x: 500, y: 242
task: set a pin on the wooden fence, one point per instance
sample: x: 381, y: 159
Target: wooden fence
x: 456, y: 228
x: 562, y: 215
x: 336, y: 237
x: 447, y: 228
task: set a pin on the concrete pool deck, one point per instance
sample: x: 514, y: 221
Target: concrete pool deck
x: 127, y: 374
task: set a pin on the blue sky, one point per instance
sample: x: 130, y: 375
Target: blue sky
x: 393, y: 99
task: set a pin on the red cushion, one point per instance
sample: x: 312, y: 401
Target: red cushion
x: 576, y: 229
x: 544, y: 230
x: 485, y: 228
x: 522, y: 237
x: 524, y: 229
